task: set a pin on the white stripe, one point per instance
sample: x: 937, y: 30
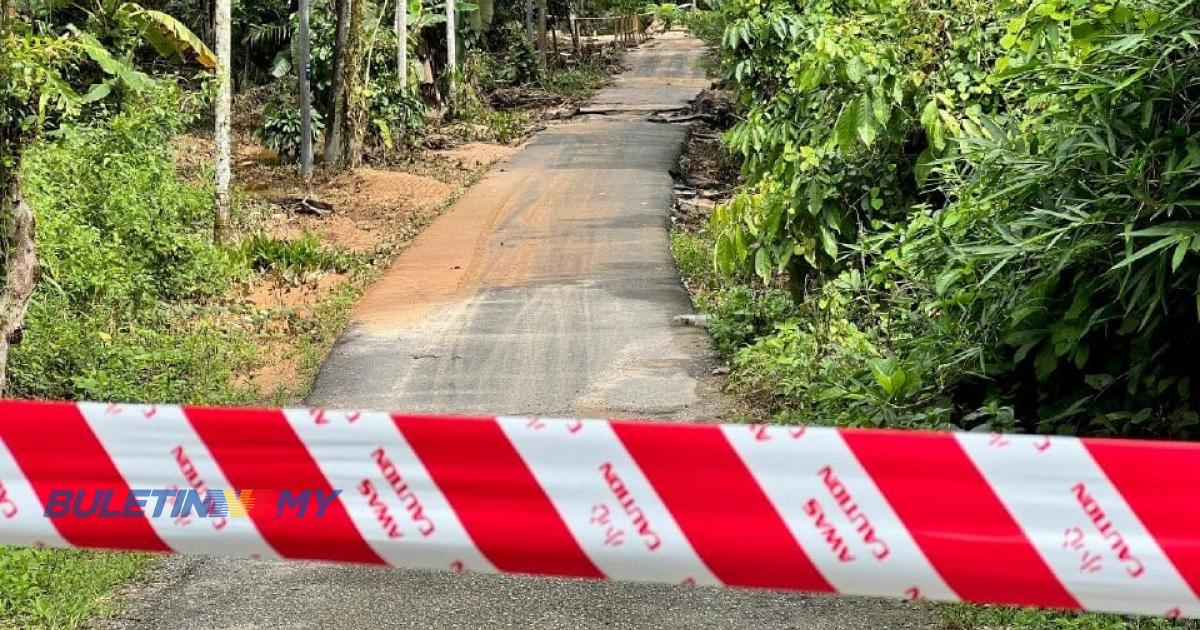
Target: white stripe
x: 1077, y: 521
x: 605, y: 500
x: 155, y: 447
x: 389, y: 494
x: 836, y: 512
x: 22, y: 517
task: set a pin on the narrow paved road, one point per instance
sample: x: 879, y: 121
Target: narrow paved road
x: 548, y: 289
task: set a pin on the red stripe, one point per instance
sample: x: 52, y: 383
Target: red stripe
x: 56, y: 450
x: 957, y: 519
x: 719, y: 506
x: 259, y: 451
x: 1161, y: 482
x: 496, y: 496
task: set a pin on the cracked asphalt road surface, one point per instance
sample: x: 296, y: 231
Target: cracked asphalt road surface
x: 548, y: 289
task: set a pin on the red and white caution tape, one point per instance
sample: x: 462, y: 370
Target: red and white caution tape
x: 1028, y: 520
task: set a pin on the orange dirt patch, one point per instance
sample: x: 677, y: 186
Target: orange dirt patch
x: 296, y: 299
x: 477, y: 154
x: 374, y: 210
x: 370, y: 207
x: 194, y: 154
x: 382, y: 188
x: 447, y: 258
x: 288, y: 303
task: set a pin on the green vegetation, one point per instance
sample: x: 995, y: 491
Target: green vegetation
x: 57, y: 588
x: 983, y: 213
x: 957, y: 213
x: 958, y: 617
x: 280, y: 128
x: 127, y: 309
x: 577, y: 82
x: 126, y: 255
x: 293, y: 258
x: 667, y: 14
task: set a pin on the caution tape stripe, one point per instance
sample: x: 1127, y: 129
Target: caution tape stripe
x: 838, y: 513
x: 388, y: 493
x: 606, y: 501
x: 168, y: 453
x: 728, y: 518
x: 1160, y: 483
x: 1054, y: 522
x: 20, y: 522
x: 1027, y: 471
x: 57, y: 448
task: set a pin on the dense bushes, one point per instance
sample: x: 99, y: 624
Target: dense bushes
x: 128, y: 261
x: 984, y: 210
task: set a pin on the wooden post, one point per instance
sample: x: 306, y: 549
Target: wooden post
x: 8, y: 14
x: 224, y: 106
x: 304, y: 71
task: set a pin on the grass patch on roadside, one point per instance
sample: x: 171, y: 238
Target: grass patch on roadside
x: 61, y: 588
x: 972, y: 617
x: 577, y: 83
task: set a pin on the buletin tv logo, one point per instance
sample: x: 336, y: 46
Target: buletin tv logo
x: 182, y: 503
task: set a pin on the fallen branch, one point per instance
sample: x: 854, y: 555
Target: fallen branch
x: 659, y: 118
x: 305, y: 205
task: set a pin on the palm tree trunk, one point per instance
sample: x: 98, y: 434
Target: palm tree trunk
x: 224, y: 106
x: 487, y: 12
x: 303, y: 62
x: 529, y: 22
x: 401, y: 27
x: 451, y: 41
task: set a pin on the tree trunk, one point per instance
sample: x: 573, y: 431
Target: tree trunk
x: 353, y: 93
x: 451, y: 42
x: 554, y: 41
x: 574, y: 24
x: 401, y: 27
x: 541, y: 34
x: 529, y: 22
x: 224, y: 174
x: 20, y: 269
x: 335, y: 116
x: 475, y: 19
x: 8, y: 13
x: 304, y: 72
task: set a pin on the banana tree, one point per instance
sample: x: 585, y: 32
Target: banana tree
x: 168, y: 36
